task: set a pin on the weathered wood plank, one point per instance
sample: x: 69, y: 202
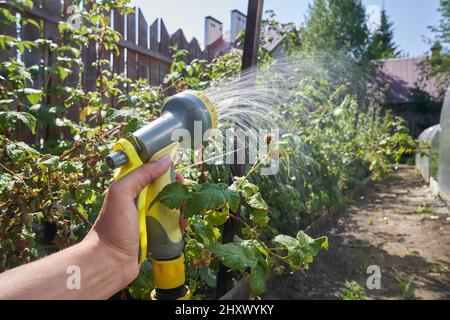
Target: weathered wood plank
x: 154, y: 46
x: 118, y: 59
x: 164, y: 42
x: 154, y: 71
x: 74, y: 78
x: 143, y: 43
x: 179, y: 40
x: 89, y: 58
x: 52, y: 81
x: 137, y: 49
x: 195, y: 52
x: 30, y: 58
x: 131, y: 40
x: 154, y: 32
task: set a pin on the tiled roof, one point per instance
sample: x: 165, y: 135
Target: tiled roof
x: 404, y: 75
x: 222, y: 46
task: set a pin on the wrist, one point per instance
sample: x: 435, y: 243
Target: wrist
x: 127, y: 265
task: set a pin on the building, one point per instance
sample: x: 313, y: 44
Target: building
x: 219, y: 42
x: 408, y: 94
x: 213, y: 30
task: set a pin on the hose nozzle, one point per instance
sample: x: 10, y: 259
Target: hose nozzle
x: 181, y: 111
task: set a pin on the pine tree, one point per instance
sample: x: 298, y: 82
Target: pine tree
x: 382, y: 44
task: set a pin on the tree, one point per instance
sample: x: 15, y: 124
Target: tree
x: 438, y: 66
x: 442, y: 31
x: 336, y: 25
x: 382, y: 44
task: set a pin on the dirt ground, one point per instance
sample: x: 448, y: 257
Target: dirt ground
x: 396, y: 224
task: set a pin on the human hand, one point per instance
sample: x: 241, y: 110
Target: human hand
x: 117, y: 227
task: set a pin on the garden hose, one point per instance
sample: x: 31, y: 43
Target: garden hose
x: 159, y: 226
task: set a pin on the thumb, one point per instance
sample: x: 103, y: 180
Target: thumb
x: 133, y: 183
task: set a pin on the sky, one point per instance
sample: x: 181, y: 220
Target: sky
x: 411, y: 18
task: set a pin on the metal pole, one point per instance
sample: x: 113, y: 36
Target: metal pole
x: 252, y: 34
x: 249, y: 60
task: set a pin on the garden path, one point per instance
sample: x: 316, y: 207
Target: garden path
x: 396, y: 224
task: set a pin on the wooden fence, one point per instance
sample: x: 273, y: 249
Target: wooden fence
x: 144, y: 51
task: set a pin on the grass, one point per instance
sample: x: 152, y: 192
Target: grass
x: 414, y: 253
x: 440, y: 268
x: 406, y: 284
x: 352, y: 291
x: 425, y: 210
x: 359, y: 245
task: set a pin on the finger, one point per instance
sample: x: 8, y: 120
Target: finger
x: 179, y: 178
x: 133, y: 183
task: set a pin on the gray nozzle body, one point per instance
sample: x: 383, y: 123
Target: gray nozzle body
x: 181, y: 111
x: 116, y: 159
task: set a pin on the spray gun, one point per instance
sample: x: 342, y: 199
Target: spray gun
x: 159, y: 226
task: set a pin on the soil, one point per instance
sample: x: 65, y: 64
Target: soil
x: 396, y: 224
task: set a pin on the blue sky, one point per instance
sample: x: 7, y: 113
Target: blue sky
x: 411, y: 17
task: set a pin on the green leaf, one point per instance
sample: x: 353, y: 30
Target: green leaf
x: 260, y: 218
x: 301, y: 249
x: 24, y: 117
x: 207, y: 197
x: 63, y: 72
x: 259, y: 210
x: 142, y: 287
x: 257, y: 280
x: 243, y: 185
x: 52, y: 162
x: 206, y: 232
x: 234, y: 256
x: 193, y: 249
x: 33, y: 95
x: 233, y: 199
x: 14, y: 153
x: 217, y: 217
x: 172, y: 196
x: 32, y: 22
x: 208, y: 275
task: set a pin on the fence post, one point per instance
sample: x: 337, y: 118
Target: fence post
x: 30, y: 58
x: 143, y: 61
x: 249, y: 60
x: 131, y: 37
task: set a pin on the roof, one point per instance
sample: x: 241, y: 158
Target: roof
x: 213, y: 19
x: 222, y: 46
x: 403, y: 76
x: 237, y: 11
x: 275, y: 37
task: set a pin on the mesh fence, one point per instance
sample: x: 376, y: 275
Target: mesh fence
x: 444, y: 157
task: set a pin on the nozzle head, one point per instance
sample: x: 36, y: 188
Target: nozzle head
x: 117, y: 159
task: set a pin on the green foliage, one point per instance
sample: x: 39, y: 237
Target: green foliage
x: 382, y: 44
x: 336, y: 25
x: 142, y: 286
x: 353, y: 291
x: 301, y: 249
x: 59, y: 182
x: 438, y: 65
